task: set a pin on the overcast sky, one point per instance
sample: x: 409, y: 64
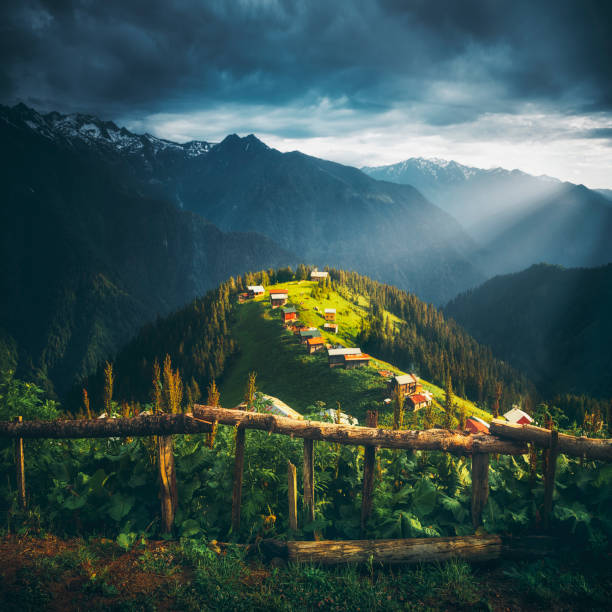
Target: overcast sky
x: 518, y: 84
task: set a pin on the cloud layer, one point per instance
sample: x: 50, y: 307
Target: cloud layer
x: 436, y: 66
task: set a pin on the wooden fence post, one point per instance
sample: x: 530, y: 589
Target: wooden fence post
x: 309, y: 479
x: 167, y: 475
x: 238, y: 474
x: 292, y: 493
x: 19, y: 459
x: 480, y: 485
x: 549, y: 476
x: 369, y: 464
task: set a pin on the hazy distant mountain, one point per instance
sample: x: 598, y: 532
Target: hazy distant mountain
x: 480, y: 199
x: 552, y: 323
x: 88, y: 256
x: 606, y: 193
x: 517, y: 219
x: 571, y: 228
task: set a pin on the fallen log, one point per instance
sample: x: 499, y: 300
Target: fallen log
x: 591, y: 448
x: 408, y: 551
x: 146, y: 425
x: 432, y: 439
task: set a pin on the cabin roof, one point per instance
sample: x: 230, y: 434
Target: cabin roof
x: 256, y: 288
x: 315, y: 340
x: 344, y: 351
x: 289, y: 310
x: 278, y: 296
x: 310, y: 333
x: 405, y: 379
x: 279, y: 407
x: 359, y: 357
x: 417, y: 398
x: 330, y: 311
x: 478, y: 424
x: 515, y: 415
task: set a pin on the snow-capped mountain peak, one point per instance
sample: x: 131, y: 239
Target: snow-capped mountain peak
x: 90, y: 130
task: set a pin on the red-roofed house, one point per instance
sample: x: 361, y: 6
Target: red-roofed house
x: 278, y: 297
x: 475, y: 425
x: 418, y: 401
x: 315, y: 344
x: 356, y: 361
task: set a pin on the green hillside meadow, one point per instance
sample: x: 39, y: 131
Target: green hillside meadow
x: 285, y: 370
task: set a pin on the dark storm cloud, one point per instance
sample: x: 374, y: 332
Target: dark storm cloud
x: 460, y: 58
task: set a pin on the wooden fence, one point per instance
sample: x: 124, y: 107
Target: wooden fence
x: 505, y: 439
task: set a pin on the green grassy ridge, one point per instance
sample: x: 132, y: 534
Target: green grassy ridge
x: 286, y: 371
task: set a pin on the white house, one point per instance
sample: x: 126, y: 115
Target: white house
x: 316, y: 275
x: 516, y: 415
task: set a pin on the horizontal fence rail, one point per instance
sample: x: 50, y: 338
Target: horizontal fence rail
x: 431, y: 439
x: 592, y: 448
x: 145, y: 425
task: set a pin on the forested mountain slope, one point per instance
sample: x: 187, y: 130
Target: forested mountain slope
x: 551, y: 323
x: 216, y: 338
x: 87, y: 258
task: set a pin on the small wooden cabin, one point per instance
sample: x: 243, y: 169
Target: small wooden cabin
x: 315, y: 344
x: 516, y: 415
x: 356, y: 361
x: 289, y: 314
x: 336, y: 355
x: 330, y: 314
x: 473, y: 424
x: 254, y: 290
x: 315, y: 275
x: 309, y: 333
x: 331, y: 327
x: 406, y: 384
x: 418, y: 401
x: 278, y: 297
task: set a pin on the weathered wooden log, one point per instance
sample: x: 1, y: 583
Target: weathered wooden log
x: 152, y: 425
x: 549, y: 477
x: 432, y: 439
x: 480, y: 486
x: 168, y: 491
x: 591, y: 448
x: 369, y: 464
x: 308, y: 474
x: 238, y: 474
x: 407, y: 551
x: 20, y: 465
x: 292, y: 495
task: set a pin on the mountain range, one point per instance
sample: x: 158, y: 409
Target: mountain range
x: 102, y: 229
x: 517, y: 219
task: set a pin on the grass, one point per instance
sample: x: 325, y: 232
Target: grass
x: 193, y: 575
x: 286, y: 371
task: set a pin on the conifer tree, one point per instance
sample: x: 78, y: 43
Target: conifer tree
x: 398, y: 409
x: 193, y: 392
x: 108, y: 388
x: 156, y: 393
x: 249, y: 393
x: 496, y: 403
x: 86, y: 403
x: 212, y: 400
x: 448, y: 403
x: 173, y: 387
